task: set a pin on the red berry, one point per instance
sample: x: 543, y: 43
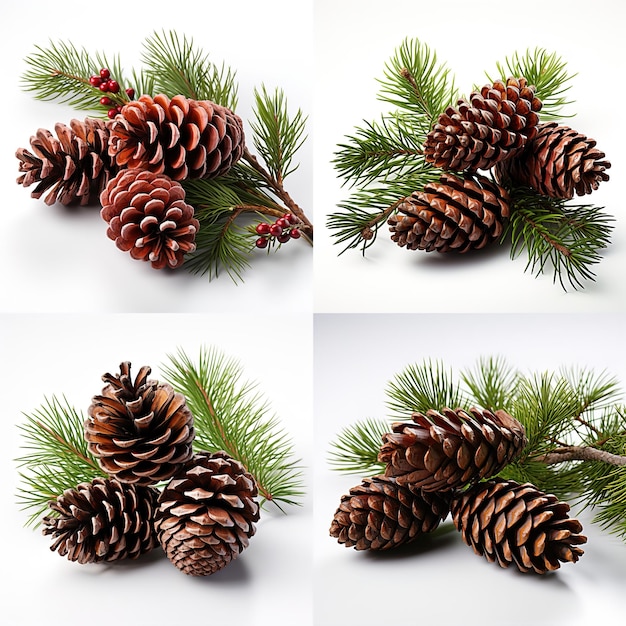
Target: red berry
x: 275, y: 230
x: 112, y: 113
x: 104, y: 86
x: 261, y: 242
x: 289, y: 218
x: 130, y: 92
x: 118, y: 108
x: 294, y: 233
x: 283, y: 238
x: 105, y: 74
x: 114, y: 86
x: 106, y: 101
x: 282, y: 222
x: 263, y: 228
x: 95, y: 81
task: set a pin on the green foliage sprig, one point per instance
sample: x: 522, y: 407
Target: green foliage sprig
x: 574, y: 419
x: 382, y: 163
x: 229, y: 207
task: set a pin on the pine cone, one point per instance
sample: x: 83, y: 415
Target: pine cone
x: 455, y: 214
x: 494, y: 125
x: 380, y: 514
x: 73, y: 167
x: 104, y: 520
x: 181, y: 138
x: 557, y: 162
x: 447, y: 450
x: 141, y: 432
x: 206, y: 514
x: 517, y: 524
x: 148, y: 217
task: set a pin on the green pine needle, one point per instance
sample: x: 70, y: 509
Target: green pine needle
x: 492, y: 383
x: 55, y: 456
x: 230, y: 414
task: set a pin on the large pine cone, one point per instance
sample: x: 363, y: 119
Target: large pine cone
x: 181, y: 138
x: 148, y: 217
x: 206, y: 514
x: 495, y: 124
x: 104, y: 520
x: 447, y: 450
x: 454, y: 214
x: 558, y: 162
x: 73, y: 167
x: 141, y: 432
x: 509, y: 523
x: 380, y: 514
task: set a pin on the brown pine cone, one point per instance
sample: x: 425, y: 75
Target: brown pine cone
x: 558, y: 162
x: 104, y: 520
x: 514, y: 524
x: 73, y: 167
x: 448, y: 450
x: 454, y: 214
x: 141, y: 432
x: 181, y: 138
x: 494, y: 125
x: 380, y: 514
x: 206, y: 514
x: 148, y: 217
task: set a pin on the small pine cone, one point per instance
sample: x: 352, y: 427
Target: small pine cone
x: 380, y: 514
x: 558, y: 162
x: 206, y: 514
x: 141, y: 432
x: 494, y: 125
x: 104, y: 520
x: 73, y: 167
x: 447, y: 450
x: 509, y: 523
x: 148, y: 217
x: 181, y: 138
x: 454, y: 214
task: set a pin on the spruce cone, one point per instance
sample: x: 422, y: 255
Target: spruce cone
x: 447, y: 450
x: 455, y: 214
x: 104, y: 520
x: 206, y: 514
x: 148, y: 217
x: 141, y: 432
x: 73, y: 167
x: 517, y: 524
x: 557, y: 162
x: 494, y: 125
x: 181, y: 138
x: 380, y: 514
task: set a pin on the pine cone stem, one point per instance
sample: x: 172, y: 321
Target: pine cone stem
x: 580, y: 453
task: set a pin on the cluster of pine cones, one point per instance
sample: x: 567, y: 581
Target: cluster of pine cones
x: 134, y: 164
x: 441, y: 464
x: 498, y: 129
x: 141, y: 433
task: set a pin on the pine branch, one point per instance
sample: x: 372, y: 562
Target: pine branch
x: 581, y: 453
x: 55, y: 456
x: 564, y: 238
x: 492, y: 383
x: 231, y: 415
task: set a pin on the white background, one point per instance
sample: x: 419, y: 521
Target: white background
x: 269, y: 584
x: 443, y: 581
x: 60, y: 259
x: 354, y: 41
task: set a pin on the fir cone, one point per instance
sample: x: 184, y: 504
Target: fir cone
x: 455, y: 214
x: 148, y: 217
x: 73, y: 167
x: 141, y: 432
x: 514, y: 524
x: 494, y: 125
x: 104, y: 520
x: 447, y: 450
x: 380, y: 514
x: 181, y: 138
x: 206, y: 513
x: 558, y: 162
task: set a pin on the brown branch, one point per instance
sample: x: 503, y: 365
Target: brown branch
x: 366, y: 232
x: 580, y: 453
x: 557, y: 246
x: 404, y: 72
x: 73, y: 449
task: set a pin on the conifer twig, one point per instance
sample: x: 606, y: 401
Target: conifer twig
x: 580, y: 453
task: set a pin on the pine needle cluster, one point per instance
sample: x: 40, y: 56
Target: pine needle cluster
x: 574, y: 419
x: 382, y: 162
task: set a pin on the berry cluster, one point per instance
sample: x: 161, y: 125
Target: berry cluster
x: 282, y: 230
x: 106, y: 84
